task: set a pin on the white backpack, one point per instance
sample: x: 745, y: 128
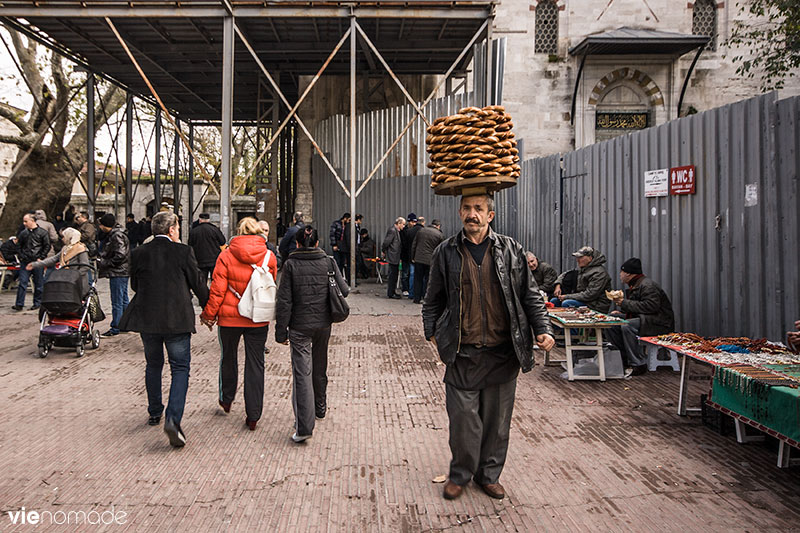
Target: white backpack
x: 258, y: 300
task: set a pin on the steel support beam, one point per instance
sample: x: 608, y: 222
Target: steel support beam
x: 227, y: 120
x: 425, y: 103
x: 280, y: 94
x: 129, y: 154
x: 157, y: 182
x: 392, y: 74
x: 489, y: 58
x: 190, y: 218
x: 353, y: 38
x: 90, y: 143
x: 293, y: 110
x: 184, y: 10
x: 176, y: 184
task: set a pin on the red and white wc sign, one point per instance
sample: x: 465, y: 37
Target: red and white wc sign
x: 682, y: 180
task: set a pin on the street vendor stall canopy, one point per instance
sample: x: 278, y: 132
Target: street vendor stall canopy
x: 179, y: 44
x: 632, y: 41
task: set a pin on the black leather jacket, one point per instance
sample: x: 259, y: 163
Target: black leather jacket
x: 113, y: 260
x: 33, y: 244
x: 441, y: 314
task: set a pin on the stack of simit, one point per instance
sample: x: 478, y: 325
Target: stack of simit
x: 474, y: 143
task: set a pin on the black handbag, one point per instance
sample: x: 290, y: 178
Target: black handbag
x: 339, y: 308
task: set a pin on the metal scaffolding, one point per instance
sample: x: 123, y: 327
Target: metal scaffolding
x: 443, y: 35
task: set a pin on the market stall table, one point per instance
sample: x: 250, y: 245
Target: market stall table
x: 755, y: 389
x: 568, y: 318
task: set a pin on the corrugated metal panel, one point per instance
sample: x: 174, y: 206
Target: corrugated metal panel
x: 729, y: 268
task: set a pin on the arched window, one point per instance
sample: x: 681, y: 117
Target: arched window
x: 704, y: 21
x: 546, y: 37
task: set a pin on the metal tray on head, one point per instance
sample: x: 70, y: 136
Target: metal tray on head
x: 476, y: 185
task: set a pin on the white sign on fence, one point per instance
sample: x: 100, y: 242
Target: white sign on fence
x: 656, y: 183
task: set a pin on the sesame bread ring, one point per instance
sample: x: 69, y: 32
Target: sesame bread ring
x: 479, y: 148
x: 452, y: 178
x: 490, y: 166
x: 467, y: 110
x: 459, y: 119
x: 495, y: 108
x: 471, y: 173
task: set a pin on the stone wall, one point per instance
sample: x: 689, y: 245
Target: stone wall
x: 538, y: 87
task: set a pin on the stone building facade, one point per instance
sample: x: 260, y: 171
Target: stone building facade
x: 540, y: 72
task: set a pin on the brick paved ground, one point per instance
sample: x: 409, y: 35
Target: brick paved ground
x: 584, y: 455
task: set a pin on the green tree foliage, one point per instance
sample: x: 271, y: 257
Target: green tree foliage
x: 769, y: 41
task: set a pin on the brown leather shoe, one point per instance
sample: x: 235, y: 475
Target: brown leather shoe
x: 452, y: 491
x: 494, y: 490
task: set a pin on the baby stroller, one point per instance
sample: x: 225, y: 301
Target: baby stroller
x: 67, y: 320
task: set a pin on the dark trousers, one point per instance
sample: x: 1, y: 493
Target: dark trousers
x: 180, y: 356
x: 626, y: 340
x: 254, y: 341
x: 342, y: 261
x: 394, y: 271
x: 420, y: 280
x: 38, y: 283
x: 405, y: 276
x: 310, y: 376
x: 206, y: 273
x: 361, y: 266
x: 119, y: 300
x: 480, y: 421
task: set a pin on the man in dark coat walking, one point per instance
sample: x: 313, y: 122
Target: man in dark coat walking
x: 648, y: 310
x: 426, y: 241
x: 163, y: 271
x: 112, y: 263
x: 407, y: 240
x: 480, y: 309
x: 206, y: 240
x: 34, y: 243
x: 391, y: 248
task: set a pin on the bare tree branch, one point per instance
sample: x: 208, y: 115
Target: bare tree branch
x: 22, y: 141
x: 16, y: 117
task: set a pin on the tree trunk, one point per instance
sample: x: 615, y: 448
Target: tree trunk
x: 45, y: 182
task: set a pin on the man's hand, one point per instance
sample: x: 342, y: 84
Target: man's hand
x: 618, y: 300
x: 545, y: 342
x: 557, y: 292
x: 617, y: 313
x: 335, y: 248
x: 562, y: 297
x: 29, y: 266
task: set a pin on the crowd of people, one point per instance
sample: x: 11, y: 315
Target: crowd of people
x: 484, y: 309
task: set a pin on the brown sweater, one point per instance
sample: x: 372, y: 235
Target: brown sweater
x: 484, y: 318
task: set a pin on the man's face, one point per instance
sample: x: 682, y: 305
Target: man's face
x: 80, y: 219
x: 104, y: 229
x: 412, y: 223
x: 583, y: 260
x: 625, y: 277
x: 475, y: 214
x: 533, y: 263
x: 29, y: 222
x: 346, y: 220
x: 174, y: 233
x: 400, y: 225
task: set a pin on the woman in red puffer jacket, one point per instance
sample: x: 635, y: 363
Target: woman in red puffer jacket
x: 232, y: 273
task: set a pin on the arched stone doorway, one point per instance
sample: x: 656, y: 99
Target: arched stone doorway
x: 625, y: 100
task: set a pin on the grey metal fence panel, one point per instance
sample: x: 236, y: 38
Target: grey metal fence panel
x: 729, y: 265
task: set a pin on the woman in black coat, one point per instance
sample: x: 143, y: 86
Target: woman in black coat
x: 303, y: 318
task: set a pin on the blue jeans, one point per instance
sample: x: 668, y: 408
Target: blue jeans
x: 180, y: 356
x: 119, y: 300
x: 567, y: 303
x: 38, y: 283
